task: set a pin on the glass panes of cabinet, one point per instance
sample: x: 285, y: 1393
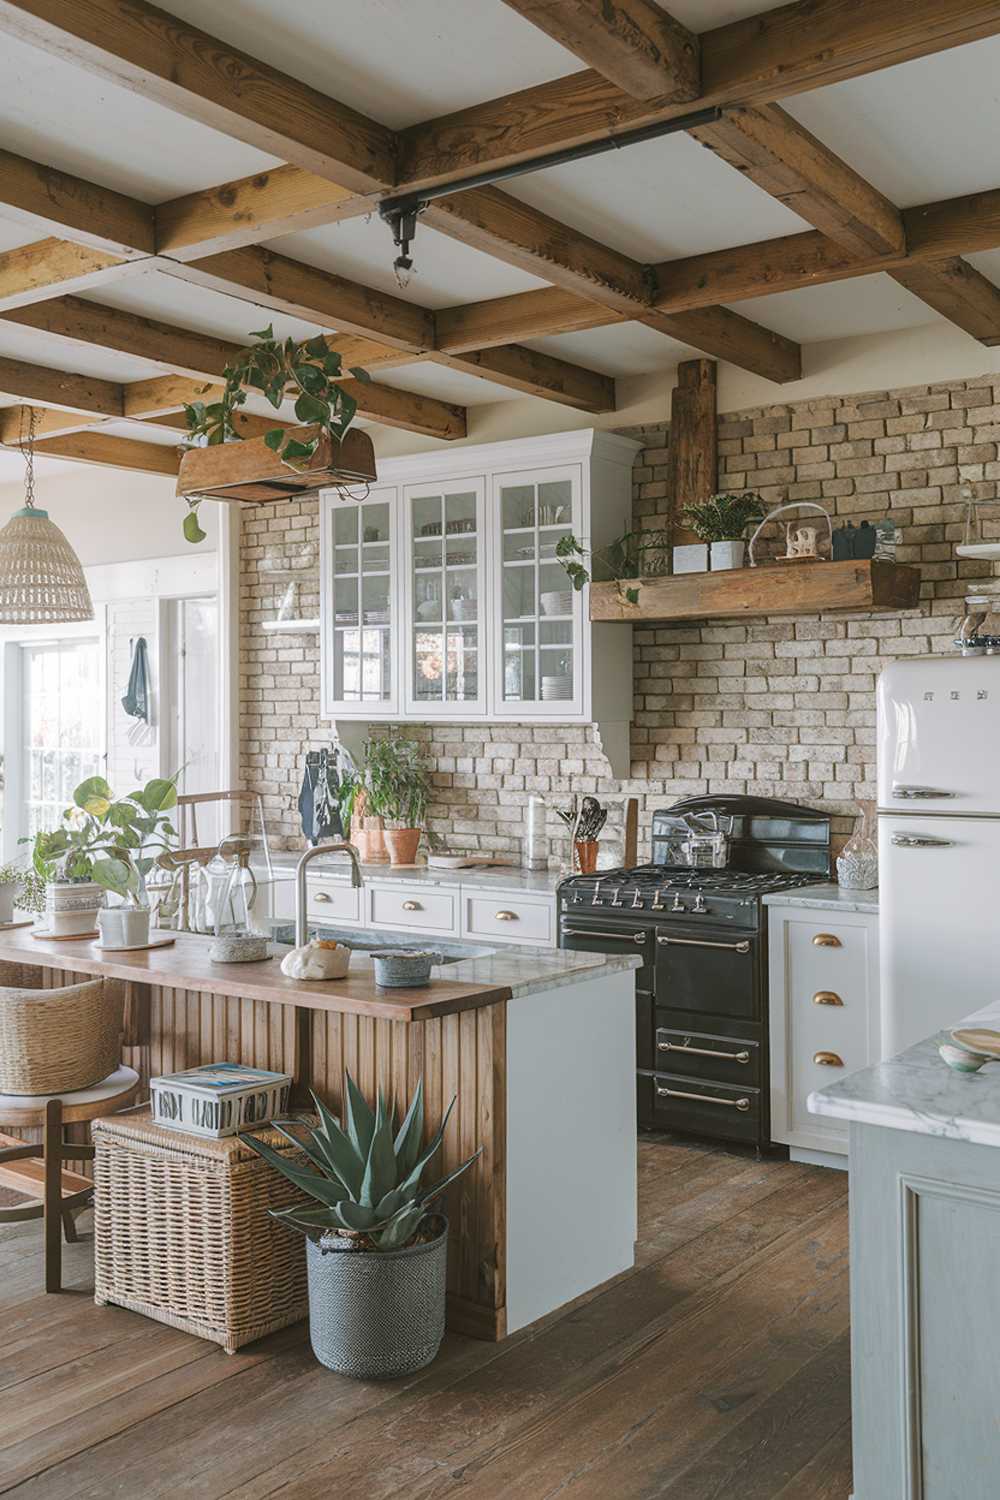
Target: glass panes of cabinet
x: 362, y: 612
x: 445, y: 564
x: 537, y: 597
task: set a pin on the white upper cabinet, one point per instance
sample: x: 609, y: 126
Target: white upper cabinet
x: 443, y: 598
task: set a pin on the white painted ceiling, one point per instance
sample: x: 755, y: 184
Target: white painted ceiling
x: 920, y: 131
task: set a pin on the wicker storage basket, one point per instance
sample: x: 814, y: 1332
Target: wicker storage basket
x: 182, y: 1231
x: 57, y: 1041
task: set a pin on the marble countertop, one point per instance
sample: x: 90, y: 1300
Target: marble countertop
x: 826, y: 898
x: 917, y: 1091
x: 541, y: 882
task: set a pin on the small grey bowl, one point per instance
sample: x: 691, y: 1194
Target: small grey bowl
x: 239, y: 948
x: 399, y: 968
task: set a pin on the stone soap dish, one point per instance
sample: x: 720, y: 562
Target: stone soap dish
x: 970, y: 1048
x: 404, y: 968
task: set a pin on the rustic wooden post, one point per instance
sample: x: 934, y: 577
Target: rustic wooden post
x: 693, y: 461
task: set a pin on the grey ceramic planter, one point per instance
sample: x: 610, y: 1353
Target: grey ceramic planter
x: 378, y: 1316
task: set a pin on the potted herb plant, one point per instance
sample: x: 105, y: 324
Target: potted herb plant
x: 397, y: 785
x: 375, y: 1253
x: 722, y: 521
x: 10, y: 879
x: 104, y: 846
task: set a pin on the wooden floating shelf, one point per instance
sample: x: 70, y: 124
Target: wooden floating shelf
x: 248, y: 471
x: 793, y: 588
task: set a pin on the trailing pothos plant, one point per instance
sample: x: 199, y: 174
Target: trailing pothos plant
x: 308, y: 374
x: 637, y: 554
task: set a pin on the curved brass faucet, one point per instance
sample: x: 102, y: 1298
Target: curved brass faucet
x: 357, y: 879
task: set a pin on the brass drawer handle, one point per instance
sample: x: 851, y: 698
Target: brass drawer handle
x: 739, y: 1057
x: 505, y: 916
x: 826, y: 997
x: 826, y: 940
x: 665, y: 1093
x: 828, y: 1059
x: 322, y: 896
x: 412, y: 906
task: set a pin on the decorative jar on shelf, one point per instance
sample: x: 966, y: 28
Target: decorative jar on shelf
x: 857, y: 863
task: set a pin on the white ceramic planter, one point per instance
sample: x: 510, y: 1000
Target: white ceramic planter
x: 71, y: 906
x: 692, y: 558
x: 728, y: 555
x: 7, y: 894
x: 124, y: 926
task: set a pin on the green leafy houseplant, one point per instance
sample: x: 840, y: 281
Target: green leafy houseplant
x: 108, y: 841
x: 280, y: 370
x: 726, y: 516
x: 365, y: 1175
x: 637, y: 554
x: 396, y: 781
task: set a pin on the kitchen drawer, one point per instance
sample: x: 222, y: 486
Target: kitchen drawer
x: 824, y: 955
x: 425, y: 911
x: 330, y: 901
x: 708, y: 974
x: 508, y: 919
x: 677, y: 1102
x: 721, y: 1059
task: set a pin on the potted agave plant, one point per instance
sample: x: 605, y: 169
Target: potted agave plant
x: 104, y: 845
x: 397, y: 785
x: 375, y: 1251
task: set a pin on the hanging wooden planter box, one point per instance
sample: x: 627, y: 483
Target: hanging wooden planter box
x: 248, y: 471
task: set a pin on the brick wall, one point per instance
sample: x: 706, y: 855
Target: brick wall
x: 780, y: 707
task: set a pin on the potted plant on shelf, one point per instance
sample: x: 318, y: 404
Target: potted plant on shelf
x: 375, y: 1253
x: 722, y: 521
x: 104, y: 846
x: 396, y: 784
x: 626, y: 561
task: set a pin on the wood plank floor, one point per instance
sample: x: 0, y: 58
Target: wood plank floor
x: 719, y: 1367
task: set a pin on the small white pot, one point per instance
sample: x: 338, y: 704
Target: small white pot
x: 71, y: 906
x: 7, y: 894
x: 124, y: 926
x: 728, y: 555
x: 692, y: 558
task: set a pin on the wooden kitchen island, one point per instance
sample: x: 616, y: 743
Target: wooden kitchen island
x: 539, y: 1049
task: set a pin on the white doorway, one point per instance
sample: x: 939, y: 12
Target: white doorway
x: 190, y: 667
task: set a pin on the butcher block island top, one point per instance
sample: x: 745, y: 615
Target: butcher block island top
x: 466, y: 985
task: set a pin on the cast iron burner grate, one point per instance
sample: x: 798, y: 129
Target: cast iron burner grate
x: 681, y: 877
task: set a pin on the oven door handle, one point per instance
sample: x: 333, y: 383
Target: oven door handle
x: 743, y: 1056
x: 743, y: 947
x: 742, y: 1104
x: 618, y: 937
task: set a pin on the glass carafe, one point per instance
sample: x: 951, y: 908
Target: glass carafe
x: 857, y: 863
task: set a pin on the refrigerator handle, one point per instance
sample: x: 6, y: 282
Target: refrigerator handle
x: 917, y: 793
x: 920, y: 841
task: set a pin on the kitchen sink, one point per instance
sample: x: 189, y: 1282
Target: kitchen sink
x: 363, y: 940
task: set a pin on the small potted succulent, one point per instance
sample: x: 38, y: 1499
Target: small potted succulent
x: 722, y: 521
x: 396, y: 785
x: 104, y: 846
x: 376, y: 1253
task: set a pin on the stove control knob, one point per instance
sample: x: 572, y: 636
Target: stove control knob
x: 595, y: 899
x: 637, y: 900
x: 616, y: 899
x: 699, y: 904
x: 576, y: 898
x: 678, y: 904
x: 656, y: 904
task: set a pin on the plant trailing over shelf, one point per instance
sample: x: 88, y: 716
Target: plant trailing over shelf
x: 108, y: 841
x: 637, y: 554
x: 308, y: 374
x: 725, y: 516
x: 365, y: 1174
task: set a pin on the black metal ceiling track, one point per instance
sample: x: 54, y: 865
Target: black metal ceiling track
x: 401, y: 212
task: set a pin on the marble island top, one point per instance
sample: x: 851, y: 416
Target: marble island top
x: 487, y: 978
x: 917, y: 1091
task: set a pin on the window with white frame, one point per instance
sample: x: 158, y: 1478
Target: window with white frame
x: 62, y: 726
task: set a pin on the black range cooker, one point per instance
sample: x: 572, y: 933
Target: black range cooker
x: 701, y: 933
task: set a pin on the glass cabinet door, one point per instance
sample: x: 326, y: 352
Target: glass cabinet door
x: 358, y: 566
x: 538, y: 660
x: 445, y: 597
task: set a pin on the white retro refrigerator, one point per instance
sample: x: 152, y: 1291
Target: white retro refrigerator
x: 939, y: 843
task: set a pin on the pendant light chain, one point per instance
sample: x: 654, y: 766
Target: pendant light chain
x: 27, y: 447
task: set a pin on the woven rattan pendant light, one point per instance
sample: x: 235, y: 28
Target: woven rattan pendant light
x: 41, y: 578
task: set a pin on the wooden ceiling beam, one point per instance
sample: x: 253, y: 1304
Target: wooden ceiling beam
x: 264, y: 206
x: 634, y: 43
x: 757, y: 60
x: 60, y: 388
x: 727, y: 335
x: 535, y: 374
x: 49, y: 422
x: 53, y: 268
x: 959, y: 293
x: 111, y: 452
x: 54, y: 202
x: 161, y: 57
x: 778, y: 154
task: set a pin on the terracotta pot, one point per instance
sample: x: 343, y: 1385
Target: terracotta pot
x: 402, y: 845
x: 586, y: 855
x: 369, y: 840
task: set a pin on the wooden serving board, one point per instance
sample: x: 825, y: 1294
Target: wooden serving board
x: 64, y: 937
x: 160, y: 942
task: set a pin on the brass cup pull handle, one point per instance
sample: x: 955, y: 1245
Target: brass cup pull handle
x: 412, y: 906
x: 737, y: 1057
x: 826, y: 997
x: 741, y: 1104
x: 828, y: 1059
x: 322, y: 896
x: 826, y: 940
x: 505, y: 916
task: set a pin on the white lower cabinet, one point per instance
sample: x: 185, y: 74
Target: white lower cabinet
x: 401, y: 906
x: 475, y: 913
x: 508, y: 919
x: 824, y: 1015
